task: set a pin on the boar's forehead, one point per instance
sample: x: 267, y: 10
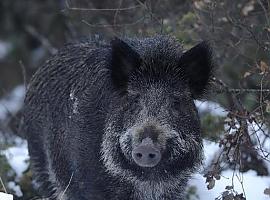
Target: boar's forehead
x: 159, y: 84
x: 160, y: 59
x: 161, y: 50
x: 150, y: 48
x: 159, y: 95
x: 155, y: 93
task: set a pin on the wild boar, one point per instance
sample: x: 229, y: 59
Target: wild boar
x: 117, y: 121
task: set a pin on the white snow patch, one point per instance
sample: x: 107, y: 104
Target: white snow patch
x: 12, y: 103
x: 210, y: 150
x: 17, y: 157
x: 4, y: 196
x: 4, y: 49
x: 210, y: 107
x: 253, y: 185
x: 15, y: 188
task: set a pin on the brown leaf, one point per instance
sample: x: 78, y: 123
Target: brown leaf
x: 211, y: 184
x: 228, y: 119
x: 217, y: 176
x: 267, y: 109
x: 248, y: 8
x: 228, y: 197
x: 263, y: 66
x: 247, y: 74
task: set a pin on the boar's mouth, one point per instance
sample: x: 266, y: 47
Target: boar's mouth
x: 163, y: 171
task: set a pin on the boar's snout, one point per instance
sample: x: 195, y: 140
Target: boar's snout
x: 146, y: 154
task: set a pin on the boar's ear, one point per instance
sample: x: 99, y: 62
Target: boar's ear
x: 124, y: 60
x: 198, y: 67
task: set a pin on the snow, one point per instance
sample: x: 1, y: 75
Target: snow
x: 4, y: 196
x: 15, y: 188
x: 210, y: 150
x: 17, y: 157
x: 210, y: 107
x: 253, y: 185
x: 12, y: 103
x: 17, y: 154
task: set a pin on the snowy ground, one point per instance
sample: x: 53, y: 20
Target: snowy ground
x: 253, y: 185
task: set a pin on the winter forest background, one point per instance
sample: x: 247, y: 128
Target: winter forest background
x: 235, y: 116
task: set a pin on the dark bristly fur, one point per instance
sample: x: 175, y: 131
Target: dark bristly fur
x: 90, y: 105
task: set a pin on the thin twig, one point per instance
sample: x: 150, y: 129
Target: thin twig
x: 101, y: 9
x: 152, y: 15
x: 236, y: 104
x: 240, y: 90
x: 265, y: 12
x: 113, y: 25
x: 261, y: 97
x: 1, y: 181
x: 117, y: 11
x: 43, y: 40
x: 23, y: 73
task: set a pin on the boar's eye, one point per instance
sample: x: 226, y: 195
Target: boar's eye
x: 174, y: 101
x: 176, y: 108
x: 176, y: 104
x: 134, y: 98
x: 134, y: 102
x: 179, y: 103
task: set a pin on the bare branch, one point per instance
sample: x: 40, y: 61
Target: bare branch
x: 101, y: 9
x: 23, y: 73
x: 117, y: 11
x: 113, y: 25
x: 1, y: 181
x: 44, y: 41
x: 240, y: 90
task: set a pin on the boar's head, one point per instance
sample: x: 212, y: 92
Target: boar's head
x: 153, y: 129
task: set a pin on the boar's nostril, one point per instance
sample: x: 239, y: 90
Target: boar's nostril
x: 139, y: 155
x: 146, y: 155
x: 151, y: 155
